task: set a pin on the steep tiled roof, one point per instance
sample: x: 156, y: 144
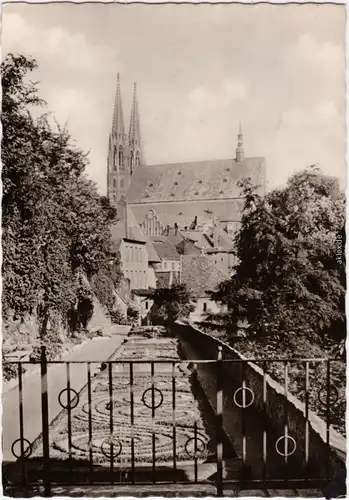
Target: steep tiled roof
x: 164, y: 248
x: 201, y: 180
x: 200, y: 274
x: 134, y: 232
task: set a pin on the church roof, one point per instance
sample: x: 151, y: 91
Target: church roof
x: 200, y: 274
x: 200, y: 180
x: 164, y: 248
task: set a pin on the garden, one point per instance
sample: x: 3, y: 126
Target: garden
x: 147, y: 425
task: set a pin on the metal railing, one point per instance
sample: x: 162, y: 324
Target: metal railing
x: 129, y: 424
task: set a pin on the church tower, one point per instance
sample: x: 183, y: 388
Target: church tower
x: 119, y: 174
x: 240, y: 154
x: 134, y: 136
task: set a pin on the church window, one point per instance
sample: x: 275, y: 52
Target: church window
x: 147, y: 305
x: 137, y: 159
x: 114, y: 183
x: 204, y: 307
x: 121, y: 157
x: 173, y: 265
x: 115, y: 158
x: 121, y: 183
x: 165, y: 265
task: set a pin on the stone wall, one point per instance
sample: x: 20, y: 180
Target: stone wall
x: 275, y: 405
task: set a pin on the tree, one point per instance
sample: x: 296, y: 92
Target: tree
x: 55, y: 225
x: 170, y: 304
x: 288, y: 282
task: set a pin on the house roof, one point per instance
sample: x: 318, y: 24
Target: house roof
x: 200, y: 274
x: 200, y: 180
x: 164, y: 248
x: 134, y: 232
x: 183, y: 213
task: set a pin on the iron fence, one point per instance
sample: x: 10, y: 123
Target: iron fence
x: 177, y: 421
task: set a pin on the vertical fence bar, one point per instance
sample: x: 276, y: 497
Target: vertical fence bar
x: 243, y: 416
x: 89, y: 396
x: 195, y: 424
x: 265, y: 422
x: 174, y: 422
x: 328, y: 418
x: 153, y: 420
x: 111, y: 425
x: 132, y: 425
x: 69, y: 418
x: 45, y: 423
x: 286, y: 420
x: 306, y: 437
x: 219, y: 423
x: 21, y: 430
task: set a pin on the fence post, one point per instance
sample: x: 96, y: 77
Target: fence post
x: 45, y: 423
x: 219, y: 423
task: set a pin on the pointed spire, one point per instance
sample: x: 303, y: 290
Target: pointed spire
x: 118, y: 126
x: 240, y: 148
x: 134, y: 132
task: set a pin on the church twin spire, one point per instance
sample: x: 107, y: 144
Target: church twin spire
x: 118, y: 126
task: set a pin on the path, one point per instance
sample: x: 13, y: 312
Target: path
x: 97, y: 349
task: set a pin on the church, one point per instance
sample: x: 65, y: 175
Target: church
x: 176, y: 217
x: 176, y: 192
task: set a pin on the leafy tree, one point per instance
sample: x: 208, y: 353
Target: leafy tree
x: 55, y: 225
x: 170, y: 304
x: 288, y: 282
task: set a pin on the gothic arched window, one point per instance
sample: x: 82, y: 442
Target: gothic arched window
x: 137, y: 159
x: 115, y: 158
x: 121, y: 157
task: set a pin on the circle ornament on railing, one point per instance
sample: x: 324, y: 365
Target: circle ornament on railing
x: 111, y: 447
x: 243, y: 391
x: 201, y: 447
x: 27, y: 451
x: 333, y: 395
x: 73, y: 401
x: 153, y: 391
x: 284, y: 454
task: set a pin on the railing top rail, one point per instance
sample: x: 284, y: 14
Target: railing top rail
x: 171, y: 360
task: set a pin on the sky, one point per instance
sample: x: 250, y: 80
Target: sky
x: 200, y: 70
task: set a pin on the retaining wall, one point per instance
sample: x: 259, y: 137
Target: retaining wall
x: 275, y: 406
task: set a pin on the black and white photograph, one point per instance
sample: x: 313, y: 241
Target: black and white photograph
x: 173, y: 250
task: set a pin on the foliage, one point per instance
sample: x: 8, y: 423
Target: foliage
x: 117, y: 317
x: 132, y: 313
x: 55, y: 225
x: 288, y: 281
x: 170, y: 304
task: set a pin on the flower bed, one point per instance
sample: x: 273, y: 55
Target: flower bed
x: 146, y: 426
